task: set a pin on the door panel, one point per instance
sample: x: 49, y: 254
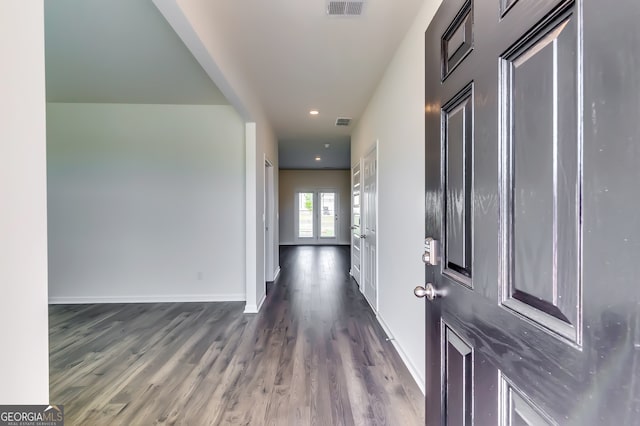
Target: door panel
x: 531, y: 172
x: 369, y: 236
x: 540, y: 161
x: 457, y: 41
x: 328, y: 221
x: 457, y: 119
x: 517, y: 410
x: 305, y: 213
x: 458, y: 379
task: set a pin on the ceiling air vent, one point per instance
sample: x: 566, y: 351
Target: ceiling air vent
x: 344, y: 8
x: 343, y: 121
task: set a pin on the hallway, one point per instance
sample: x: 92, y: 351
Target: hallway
x: 314, y: 355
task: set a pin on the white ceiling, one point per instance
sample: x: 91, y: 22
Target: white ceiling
x: 296, y: 58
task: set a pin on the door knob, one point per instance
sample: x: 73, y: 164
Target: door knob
x: 429, y: 291
x: 363, y: 236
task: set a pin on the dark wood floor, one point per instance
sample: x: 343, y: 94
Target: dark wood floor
x: 315, y: 355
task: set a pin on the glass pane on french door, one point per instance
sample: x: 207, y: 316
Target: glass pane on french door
x: 328, y: 214
x: 305, y: 215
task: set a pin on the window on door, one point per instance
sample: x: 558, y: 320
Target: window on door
x: 316, y: 215
x: 328, y: 214
x: 305, y: 215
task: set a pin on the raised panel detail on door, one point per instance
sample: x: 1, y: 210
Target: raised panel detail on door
x: 541, y: 176
x: 458, y: 380
x: 457, y: 117
x: 518, y: 410
x: 457, y: 40
x: 356, y: 197
x: 369, y: 227
x: 505, y: 5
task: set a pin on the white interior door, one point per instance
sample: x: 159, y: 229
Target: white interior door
x: 356, y: 198
x: 369, y: 228
x: 269, y: 223
x: 316, y: 216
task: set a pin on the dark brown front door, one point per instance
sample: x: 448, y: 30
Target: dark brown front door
x: 533, y: 200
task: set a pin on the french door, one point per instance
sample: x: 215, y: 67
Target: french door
x: 316, y: 216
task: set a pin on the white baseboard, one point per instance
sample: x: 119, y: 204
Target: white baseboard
x: 254, y: 309
x: 277, y: 274
x: 373, y: 308
x: 313, y: 243
x: 68, y: 300
x: 354, y: 277
x: 412, y: 369
x: 264, y: 297
x: 250, y: 309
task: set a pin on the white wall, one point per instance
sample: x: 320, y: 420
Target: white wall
x: 395, y: 116
x: 191, y: 19
x: 146, y: 203
x: 292, y: 181
x: 24, y: 332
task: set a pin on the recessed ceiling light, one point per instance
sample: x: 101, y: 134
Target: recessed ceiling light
x: 314, y: 112
x: 327, y: 145
x: 318, y: 158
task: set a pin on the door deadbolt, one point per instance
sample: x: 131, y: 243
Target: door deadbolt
x: 430, y: 255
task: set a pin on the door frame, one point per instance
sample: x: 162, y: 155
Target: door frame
x: 270, y: 267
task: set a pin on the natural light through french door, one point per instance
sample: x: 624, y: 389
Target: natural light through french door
x: 305, y: 215
x: 317, y: 215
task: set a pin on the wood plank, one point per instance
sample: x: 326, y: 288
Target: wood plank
x: 315, y: 355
